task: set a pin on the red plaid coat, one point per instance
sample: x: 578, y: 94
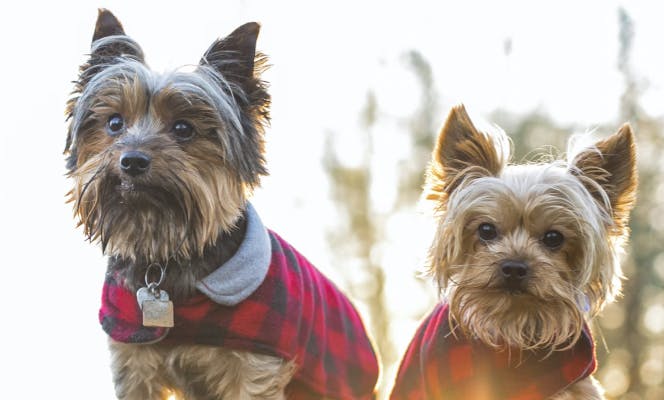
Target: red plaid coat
x: 439, y: 366
x: 296, y: 314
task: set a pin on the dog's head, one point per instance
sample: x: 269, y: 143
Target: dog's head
x: 162, y: 163
x: 523, y: 253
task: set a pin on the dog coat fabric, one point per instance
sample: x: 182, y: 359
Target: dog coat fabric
x: 437, y: 365
x: 294, y: 313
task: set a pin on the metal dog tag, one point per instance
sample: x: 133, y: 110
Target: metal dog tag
x: 147, y: 293
x: 158, y: 313
x: 156, y: 306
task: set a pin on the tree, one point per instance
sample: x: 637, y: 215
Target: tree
x: 634, y: 343
x: 358, y: 239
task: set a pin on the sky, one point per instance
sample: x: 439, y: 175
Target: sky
x: 325, y: 56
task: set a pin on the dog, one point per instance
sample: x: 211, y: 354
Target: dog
x: 200, y: 300
x: 525, y: 256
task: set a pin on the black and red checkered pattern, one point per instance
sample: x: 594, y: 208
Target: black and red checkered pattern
x: 439, y: 366
x: 296, y: 314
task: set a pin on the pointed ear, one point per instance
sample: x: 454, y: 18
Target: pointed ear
x: 110, y: 45
x: 608, y: 170
x: 234, y: 55
x: 462, y: 151
x: 236, y: 60
x: 107, y: 25
x: 110, y: 42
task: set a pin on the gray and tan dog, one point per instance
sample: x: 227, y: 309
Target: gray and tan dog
x: 201, y: 301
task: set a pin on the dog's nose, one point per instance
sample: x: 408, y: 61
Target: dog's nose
x: 514, y: 271
x: 134, y: 162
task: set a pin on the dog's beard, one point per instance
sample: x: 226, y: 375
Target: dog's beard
x: 128, y: 217
x: 518, y: 321
x: 171, y: 215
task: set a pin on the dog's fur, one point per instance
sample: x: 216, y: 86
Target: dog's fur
x: 202, y: 132
x: 586, y: 199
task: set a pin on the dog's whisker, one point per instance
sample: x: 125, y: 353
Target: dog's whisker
x: 469, y: 265
x: 102, y: 166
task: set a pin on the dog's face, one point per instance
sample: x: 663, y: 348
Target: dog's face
x: 163, y: 163
x: 524, y: 253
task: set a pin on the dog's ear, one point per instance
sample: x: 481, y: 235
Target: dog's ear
x: 236, y: 60
x: 107, y: 25
x: 608, y: 171
x: 462, y: 151
x: 234, y: 56
x: 110, y: 45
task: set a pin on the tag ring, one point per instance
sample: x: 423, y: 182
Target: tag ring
x: 162, y: 273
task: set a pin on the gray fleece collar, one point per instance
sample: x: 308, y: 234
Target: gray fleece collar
x: 240, y: 276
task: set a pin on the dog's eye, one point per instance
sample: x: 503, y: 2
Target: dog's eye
x: 487, y: 231
x: 553, y: 239
x: 115, y: 125
x: 183, y: 130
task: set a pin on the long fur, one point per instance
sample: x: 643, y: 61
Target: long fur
x: 587, y: 198
x: 186, y: 212
x: 192, y: 372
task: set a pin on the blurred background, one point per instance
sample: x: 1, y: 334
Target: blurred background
x: 360, y: 90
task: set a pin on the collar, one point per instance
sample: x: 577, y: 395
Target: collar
x: 295, y: 314
x: 243, y: 273
x: 438, y: 364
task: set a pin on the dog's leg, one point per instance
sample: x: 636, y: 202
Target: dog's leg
x: 207, y: 373
x: 587, y: 389
x: 138, y: 372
